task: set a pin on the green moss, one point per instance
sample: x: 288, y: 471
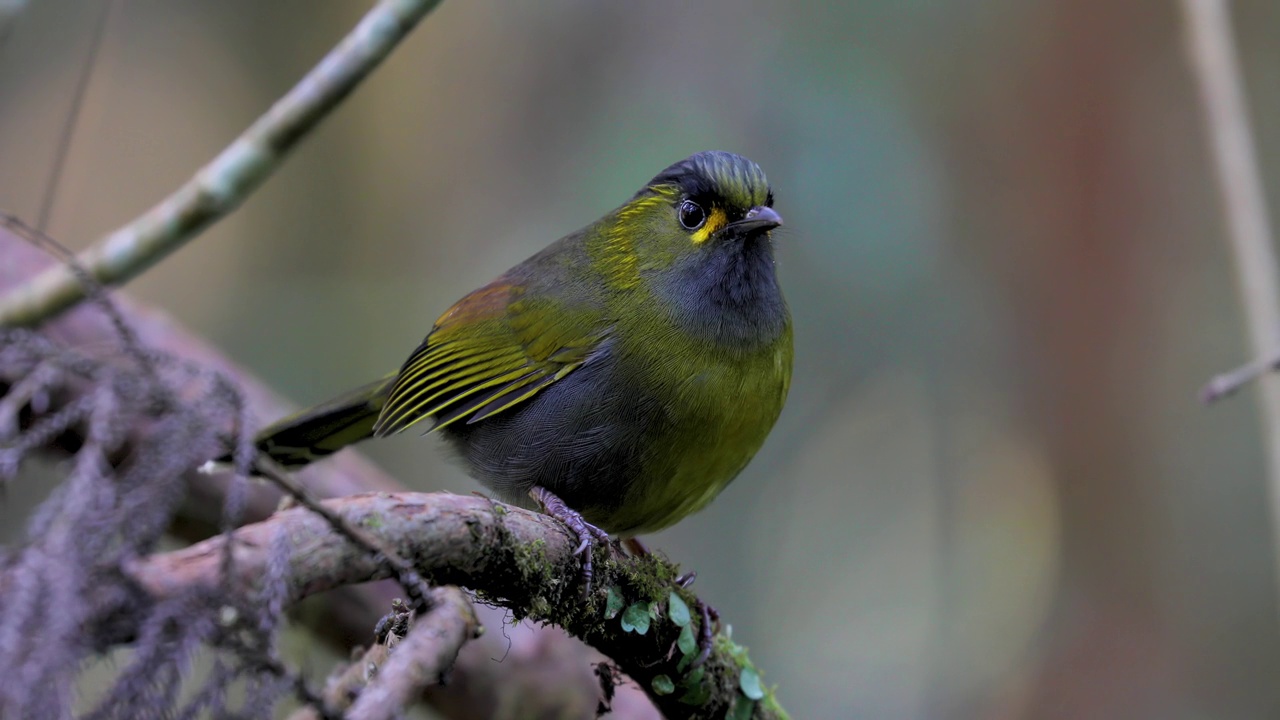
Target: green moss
x: 531, y: 584
x: 648, y: 578
x: 539, y: 607
x: 531, y: 563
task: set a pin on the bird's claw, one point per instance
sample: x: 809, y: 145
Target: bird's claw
x: 710, y: 618
x: 588, y: 534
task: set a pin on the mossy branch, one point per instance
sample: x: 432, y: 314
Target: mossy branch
x: 514, y: 558
x: 219, y: 187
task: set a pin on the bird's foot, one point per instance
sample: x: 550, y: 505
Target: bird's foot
x: 710, y: 619
x: 587, y: 533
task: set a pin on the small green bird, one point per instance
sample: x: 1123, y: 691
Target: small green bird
x: 622, y: 377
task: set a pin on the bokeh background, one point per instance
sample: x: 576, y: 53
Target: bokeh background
x: 992, y: 494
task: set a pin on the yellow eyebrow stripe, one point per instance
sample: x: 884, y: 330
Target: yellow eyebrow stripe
x: 716, y: 220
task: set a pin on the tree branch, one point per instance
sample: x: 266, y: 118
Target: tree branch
x: 512, y: 557
x: 345, y: 683
x: 421, y: 659
x: 219, y: 187
x: 388, y: 677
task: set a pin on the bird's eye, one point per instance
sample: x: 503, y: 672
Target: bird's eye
x: 692, y: 216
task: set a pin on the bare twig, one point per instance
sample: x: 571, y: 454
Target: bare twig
x: 273, y: 666
x: 392, y: 674
x: 1217, y: 71
x: 344, y: 686
x: 421, y: 658
x: 63, y: 150
x: 1229, y: 382
x: 403, y: 572
x: 224, y: 183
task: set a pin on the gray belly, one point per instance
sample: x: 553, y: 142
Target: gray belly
x: 583, y: 438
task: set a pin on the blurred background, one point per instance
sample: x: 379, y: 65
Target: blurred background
x: 992, y: 494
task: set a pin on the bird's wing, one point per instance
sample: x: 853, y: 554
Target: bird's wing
x: 494, y: 349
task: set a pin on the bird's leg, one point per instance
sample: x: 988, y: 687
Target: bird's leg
x: 710, y: 618
x: 587, y: 533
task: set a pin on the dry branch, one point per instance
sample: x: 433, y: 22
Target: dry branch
x: 219, y: 187
x: 421, y: 659
x: 391, y: 675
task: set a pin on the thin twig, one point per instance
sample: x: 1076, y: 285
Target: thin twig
x: 256, y: 659
x: 72, y: 120
x: 219, y: 187
x: 419, y: 656
x: 90, y: 286
x: 420, y: 659
x: 1228, y: 383
x: 344, y: 686
x: 400, y: 568
x: 1218, y: 77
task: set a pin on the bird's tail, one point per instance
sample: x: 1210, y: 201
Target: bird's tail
x: 307, y: 436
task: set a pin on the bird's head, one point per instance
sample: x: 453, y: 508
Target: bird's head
x: 707, y: 199
x: 698, y: 235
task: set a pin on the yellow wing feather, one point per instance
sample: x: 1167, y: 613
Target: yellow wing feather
x: 486, y: 354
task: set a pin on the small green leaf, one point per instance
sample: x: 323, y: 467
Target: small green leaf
x: 687, y: 643
x: 749, y: 681
x: 662, y: 685
x: 694, y: 679
x: 613, y: 604
x: 679, y: 610
x: 636, y: 618
x: 697, y: 695
x: 742, y: 708
x: 653, y: 611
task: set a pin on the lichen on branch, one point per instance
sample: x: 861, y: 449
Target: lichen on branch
x: 515, y: 558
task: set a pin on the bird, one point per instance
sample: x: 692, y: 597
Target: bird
x: 619, y: 379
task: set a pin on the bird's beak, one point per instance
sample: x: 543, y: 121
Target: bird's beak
x: 758, y: 219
